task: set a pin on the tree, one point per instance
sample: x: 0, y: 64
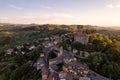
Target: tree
x: 90, y: 31
x: 113, y: 54
x: 95, y: 61
x: 20, y: 59
x: 52, y: 54
x: 34, y: 54
x: 108, y: 41
x: 98, y: 45
x: 89, y: 47
x: 77, y: 45
x: 19, y: 72
x: 111, y: 70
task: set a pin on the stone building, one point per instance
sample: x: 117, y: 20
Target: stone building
x: 80, y: 36
x: 61, y: 52
x: 53, y: 76
x: 76, y: 68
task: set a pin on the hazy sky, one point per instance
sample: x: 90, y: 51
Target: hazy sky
x: 94, y: 12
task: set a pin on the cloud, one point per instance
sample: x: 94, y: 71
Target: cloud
x: 51, y: 18
x: 15, y: 7
x: 110, y: 6
x: 118, y: 6
x: 51, y: 15
x: 46, y: 7
x: 113, y: 6
x: 4, y: 18
x: 62, y: 15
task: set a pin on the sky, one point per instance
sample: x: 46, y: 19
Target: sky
x: 85, y: 12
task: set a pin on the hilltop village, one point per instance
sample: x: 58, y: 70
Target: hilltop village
x: 65, y: 65
x: 54, y: 62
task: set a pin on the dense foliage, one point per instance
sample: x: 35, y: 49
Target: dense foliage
x: 18, y: 66
x: 104, y: 53
x: 107, y: 61
x: 104, y: 49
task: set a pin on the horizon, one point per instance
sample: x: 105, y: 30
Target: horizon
x: 68, y: 12
x: 118, y: 27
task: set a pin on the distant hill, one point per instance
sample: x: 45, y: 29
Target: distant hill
x: 102, y: 27
x: 6, y: 26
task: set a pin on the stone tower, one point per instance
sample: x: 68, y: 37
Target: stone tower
x: 79, y: 30
x: 80, y: 36
x: 61, y: 51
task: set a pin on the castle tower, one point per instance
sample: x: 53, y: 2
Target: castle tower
x: 79, y: 30
x: 80, y: 36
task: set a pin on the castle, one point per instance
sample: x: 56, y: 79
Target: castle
x: 81, y: 36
